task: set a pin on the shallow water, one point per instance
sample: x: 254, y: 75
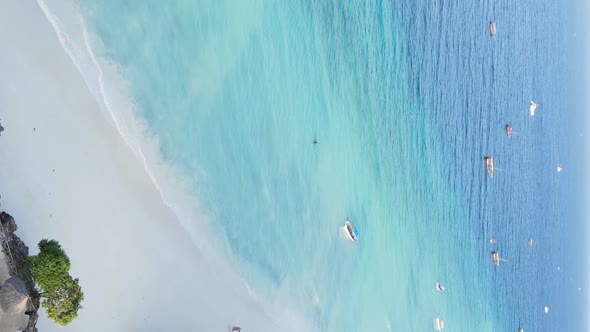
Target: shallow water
x: 404, y: 100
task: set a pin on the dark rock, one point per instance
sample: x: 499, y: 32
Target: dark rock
x: 19, y: 253
x: 17, y: 248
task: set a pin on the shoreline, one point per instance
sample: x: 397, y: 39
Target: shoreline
x: 68, y: 174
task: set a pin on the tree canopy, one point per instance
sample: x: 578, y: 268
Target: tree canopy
x: 62, y: 294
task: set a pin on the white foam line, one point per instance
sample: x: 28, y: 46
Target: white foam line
x: 103, y: 100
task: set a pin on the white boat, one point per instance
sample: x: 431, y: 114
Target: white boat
x: 492, y: 28
x: 546, y: 309
x: 496, y: 258
x: 559, y: 169
x: 532, y: 108
x: 489, y: 164
x: 530, y: 242
x: 351, y: 232
x: 508, y: 130
x: 439, y: 324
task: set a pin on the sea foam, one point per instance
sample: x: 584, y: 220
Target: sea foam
x: 106, y: 83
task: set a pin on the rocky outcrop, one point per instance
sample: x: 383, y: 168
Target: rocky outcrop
x: 13, y: 244
x: 18, y: 253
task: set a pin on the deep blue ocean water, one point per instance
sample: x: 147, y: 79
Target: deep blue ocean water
x: 404, y: 98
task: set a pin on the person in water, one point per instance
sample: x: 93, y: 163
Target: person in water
x: 236, y: 328
x: 315, y: 141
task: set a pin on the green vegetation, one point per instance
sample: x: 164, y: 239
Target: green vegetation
x: 60, y: 292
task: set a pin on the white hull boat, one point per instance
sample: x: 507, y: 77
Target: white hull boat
x: 350, y: 232
x: 532, y: 108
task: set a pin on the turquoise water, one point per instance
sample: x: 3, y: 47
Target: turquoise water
x: 404, y: 99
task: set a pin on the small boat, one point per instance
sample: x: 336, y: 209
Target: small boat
x: 439, y: 324
x: 559, y: 169
x: 509, y: 130
x: 440, y: 287
x: 489, y: 162
x: 520, y: 329
x: 546, y: 309
x: 493, y: 240
x: 496, y: 258
x: 530, y: 242
x: 492, y: 29
x: 532, y: 108
x: 351, y: 232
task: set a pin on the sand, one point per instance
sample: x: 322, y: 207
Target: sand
x: 67, y: 174
x: 13, y: 321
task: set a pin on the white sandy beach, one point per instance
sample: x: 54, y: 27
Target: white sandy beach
x: 66, y: 174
